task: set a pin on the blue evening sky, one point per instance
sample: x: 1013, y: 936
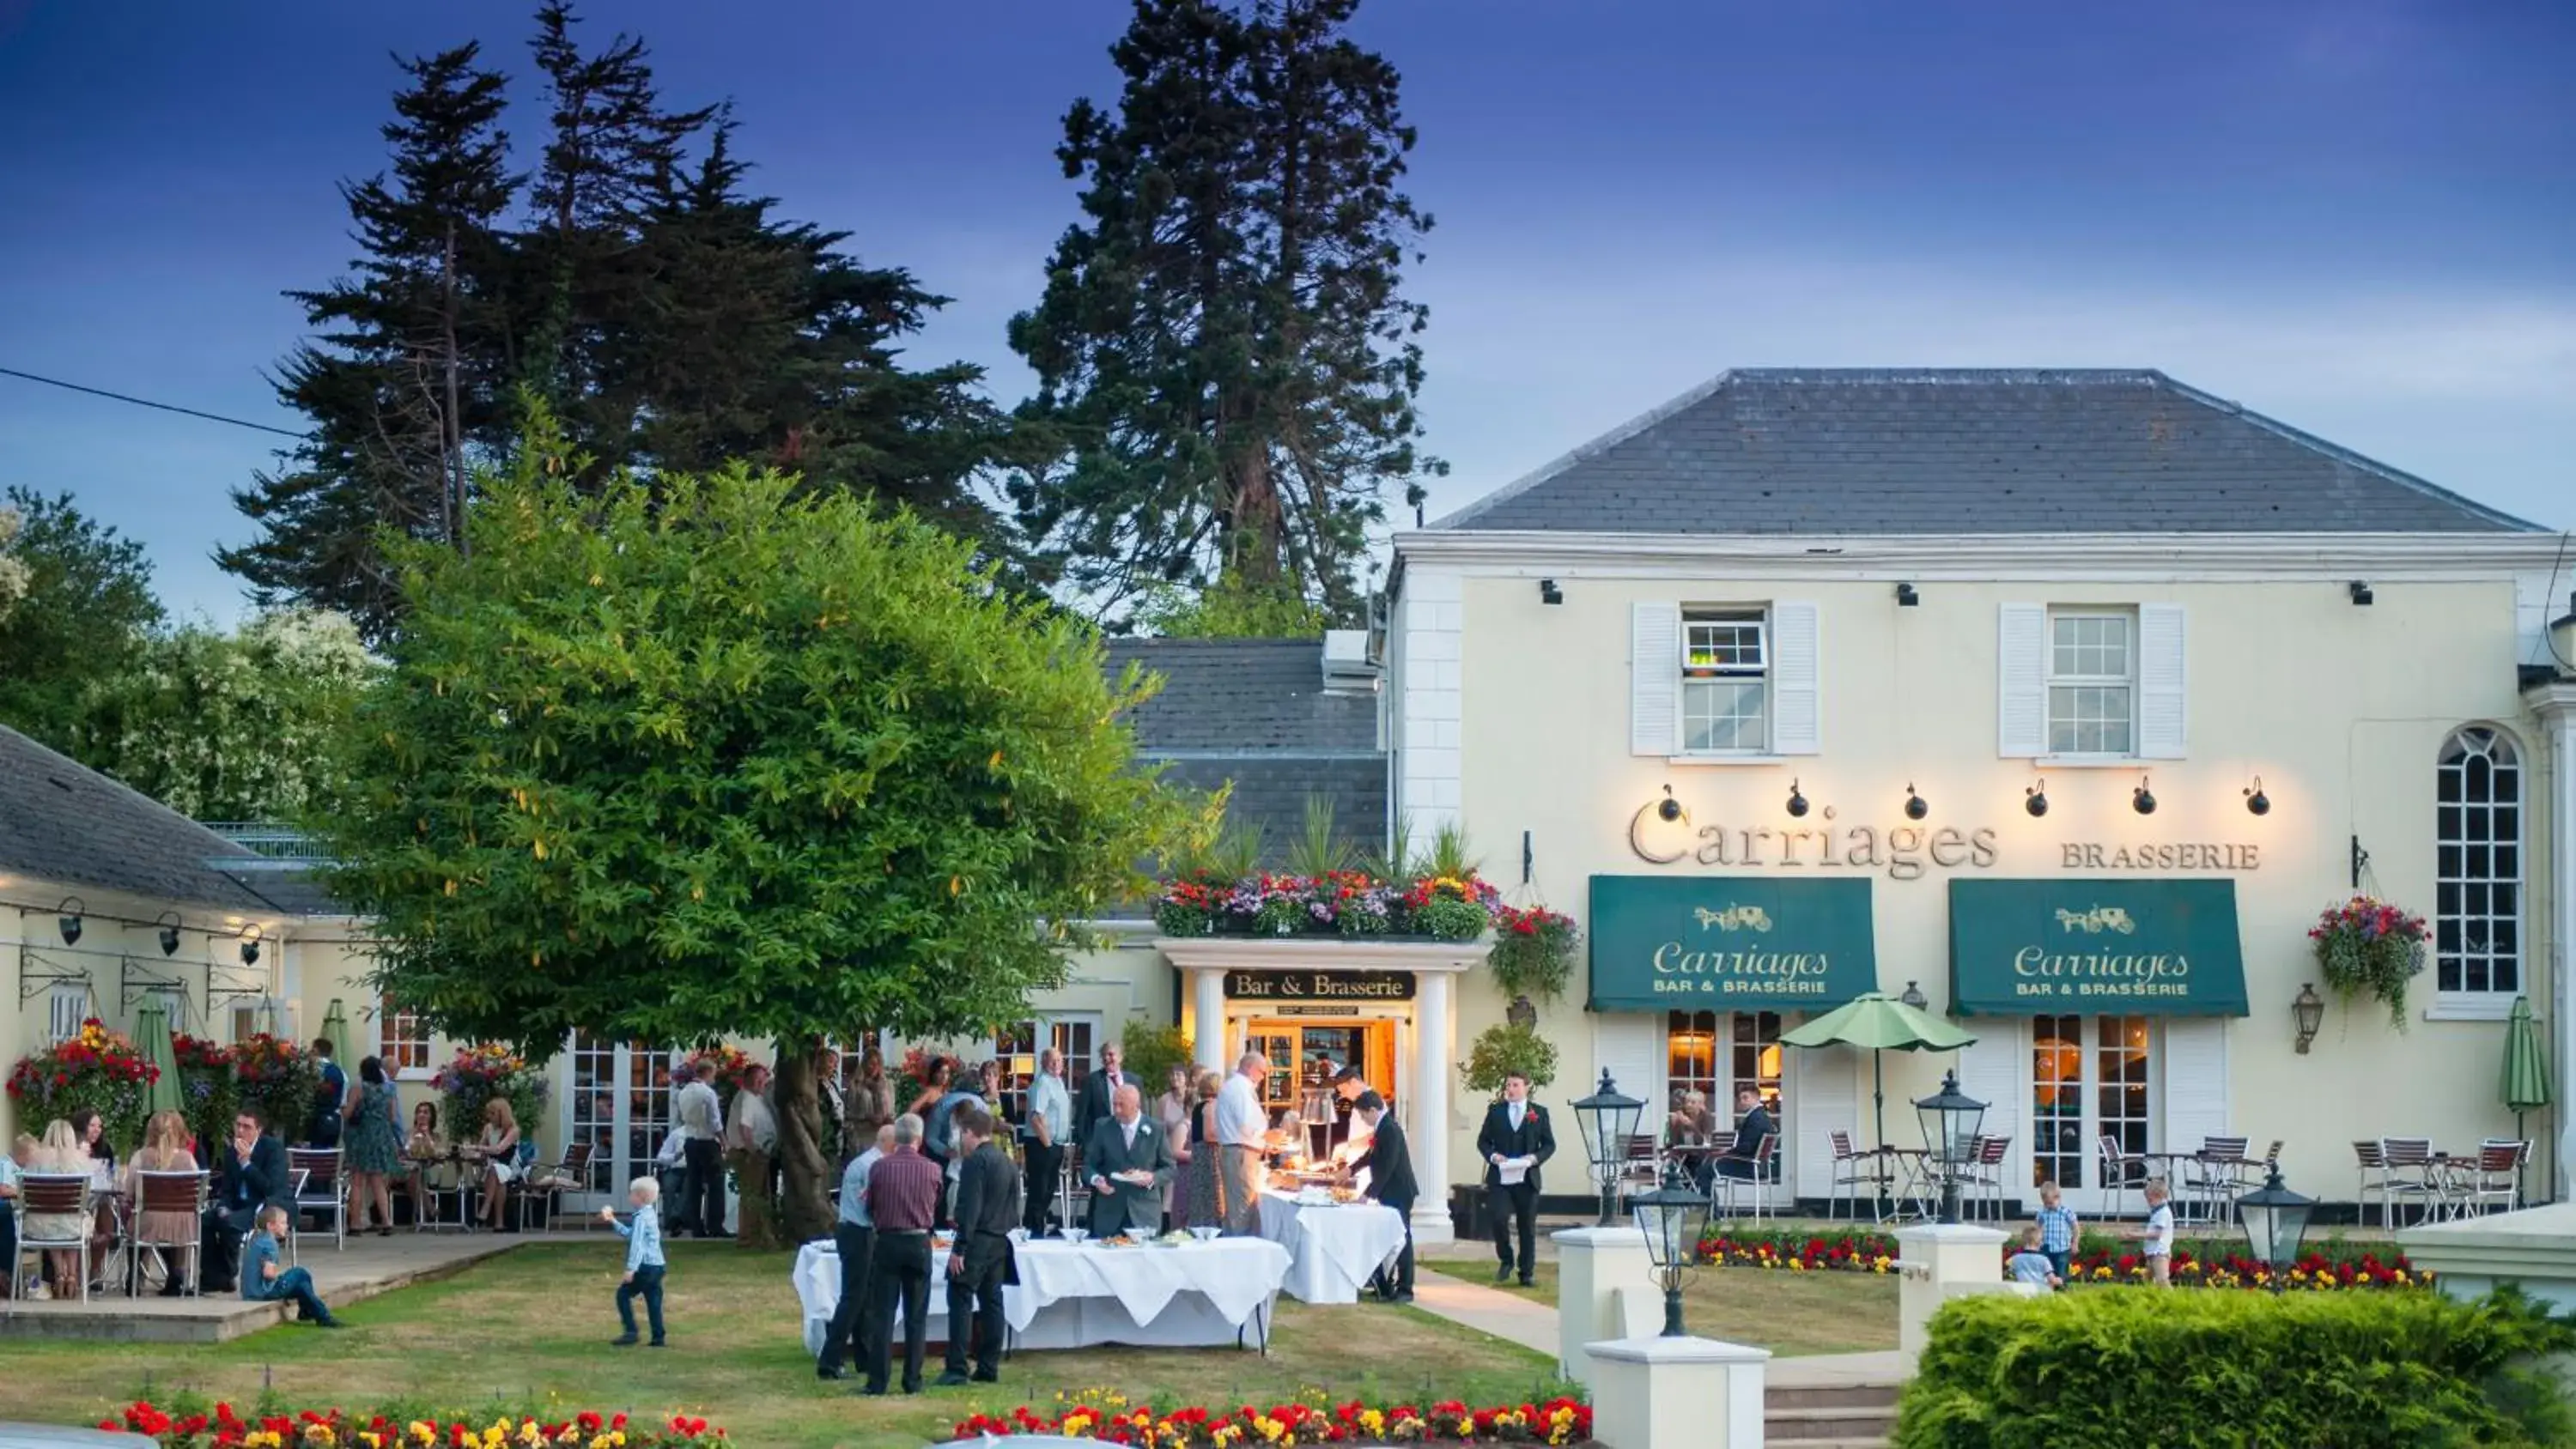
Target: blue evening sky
x: 2358, y: 216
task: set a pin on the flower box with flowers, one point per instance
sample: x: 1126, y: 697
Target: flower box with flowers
x: 1336, y: 903
x: 1109, y: 1417
x: 98, y: 1069
x: 223, y: 1427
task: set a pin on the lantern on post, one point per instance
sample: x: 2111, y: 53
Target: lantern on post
x: 1950, y: 1123
x: 2275, y: 1220
x: 1673, y: 1220
x: 1607, y: 1119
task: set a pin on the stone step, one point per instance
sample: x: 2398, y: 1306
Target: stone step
x: 1831, y: 1426
x: 1838, y: 1396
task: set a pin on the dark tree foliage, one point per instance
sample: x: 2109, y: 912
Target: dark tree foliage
x: 84, y: 618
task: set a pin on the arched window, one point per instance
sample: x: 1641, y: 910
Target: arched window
x: 2477, y: 913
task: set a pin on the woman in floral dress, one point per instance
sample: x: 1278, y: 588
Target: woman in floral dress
x: 1200, y: 1204
x: 373, y: 1135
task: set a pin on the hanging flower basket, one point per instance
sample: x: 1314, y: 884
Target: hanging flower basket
x: 98, y: 1069
x: 1533, y: 952
x: 2369, y: 947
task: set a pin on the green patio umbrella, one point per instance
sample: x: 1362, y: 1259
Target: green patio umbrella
x: 152, y: 1034
x: 2525, y: 1085
x: 335, y: 1027
x: 1881, y: 1023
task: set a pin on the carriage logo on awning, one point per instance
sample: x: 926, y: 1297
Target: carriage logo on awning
x: 1660, y: 943
x: 2167, y: 947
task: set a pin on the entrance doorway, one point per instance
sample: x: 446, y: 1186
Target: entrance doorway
x: 2092, y: 1077
x: 1305, y: 1055
x: 621, y: 1106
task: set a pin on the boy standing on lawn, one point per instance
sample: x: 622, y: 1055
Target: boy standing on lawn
x: 644, y: 1265
x: 2057, y: 1228
x: 2160, y: 1233
x: 265, y: 1282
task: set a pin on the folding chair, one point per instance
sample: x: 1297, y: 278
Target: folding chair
x: 53, y: 1195
x: 162, y: 1194
x: 324, y: 1191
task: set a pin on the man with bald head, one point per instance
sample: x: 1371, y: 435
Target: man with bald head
x: 1129, y: 1163
x: 1242, y: 1132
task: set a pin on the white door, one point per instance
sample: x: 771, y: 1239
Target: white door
x: 620, y: 1105
x: 2092, y: 1077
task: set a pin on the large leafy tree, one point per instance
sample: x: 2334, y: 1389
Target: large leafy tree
x: 1224, y: 355
x: 724, y: 756
x: 83, y: 615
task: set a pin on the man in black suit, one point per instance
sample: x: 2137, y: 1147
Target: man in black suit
x: 1390, y: 1170
x: 1092, y: 1106
x: 249, y: 1174
x: 1515, y: 1141
x: 1743, y: 1160
x: 979, y: 1263
x: 1130, y: 1164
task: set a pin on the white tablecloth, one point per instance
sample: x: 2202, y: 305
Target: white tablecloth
x: 1332, y: 1251
x: 1071, y: 1296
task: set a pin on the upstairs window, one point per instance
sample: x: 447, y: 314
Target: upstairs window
x: 2092, y: 683
x: 1726, y: 685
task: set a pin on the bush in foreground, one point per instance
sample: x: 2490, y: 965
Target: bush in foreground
x: 2149, y: 1367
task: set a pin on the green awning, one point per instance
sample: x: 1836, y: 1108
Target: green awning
x: 2116, y: 946
x: 1696, y: 943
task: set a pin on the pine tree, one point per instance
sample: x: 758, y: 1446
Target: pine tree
x: 1224, y: 356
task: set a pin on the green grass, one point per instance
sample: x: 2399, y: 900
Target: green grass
x: 532, y: 1328
x: 1791, y: 1314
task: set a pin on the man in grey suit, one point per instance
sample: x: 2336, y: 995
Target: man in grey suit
x: 1130, y: 1163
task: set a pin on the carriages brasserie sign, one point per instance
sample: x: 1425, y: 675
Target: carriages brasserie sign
x: 2127, y: 946
x: 1725, y: 943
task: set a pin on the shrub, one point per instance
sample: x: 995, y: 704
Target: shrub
x: 1505, y: 1048
x: 2142, y: 1366
x: 1152, y: 1050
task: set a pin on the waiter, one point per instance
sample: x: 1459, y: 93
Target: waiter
x: 1515, y: 1140
x: 979, y: 1263
x: 1390, y: 1170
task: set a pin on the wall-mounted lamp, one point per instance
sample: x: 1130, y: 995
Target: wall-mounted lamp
x: 2142, y: 799
x: 2361, y: 594
x: 169, y: 923
x: 1671, y: 809
x: 2308, y: 1013
x: 1915, y: 998
x: 1797, y: 802
x: 2256, y: 802
x: 250, y: 945
x: 1549, y: 593
x: 1906, y: 597
x: 2035, y: 799
x: 1915, y: 805
x: 70, y: 924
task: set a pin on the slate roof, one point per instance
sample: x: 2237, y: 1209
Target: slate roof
x: 64, y: 822
x: 1255, y: 711
x: 1966, y: 450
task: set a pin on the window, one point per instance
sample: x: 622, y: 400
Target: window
x: 66, y: 1007
x: 2477, y: 916
x: 402, y: 1038
x: 2092, y: 683
x: 1017, y: 1048
x: 1750, y: 1049
x: 1726, y: 682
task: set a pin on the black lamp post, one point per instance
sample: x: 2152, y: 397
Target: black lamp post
x: 2275, y: 1220
x: 1672, y: 1219
x: 1607, y: 1119
x: 1950, y: 1122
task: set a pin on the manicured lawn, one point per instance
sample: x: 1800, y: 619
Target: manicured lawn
x: 1787, y: 1313
x: 532, y: 1328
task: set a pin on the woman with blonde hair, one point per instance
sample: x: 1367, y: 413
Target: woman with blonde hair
x: 165, y: 1149
x: 59, y: 1152
x: 499, y: 1151
x: 1199, y: 1206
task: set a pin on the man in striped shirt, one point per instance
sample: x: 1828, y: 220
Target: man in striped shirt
x: 903, y: 1200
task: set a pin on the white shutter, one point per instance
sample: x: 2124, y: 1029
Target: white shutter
x: 1822, y: 1096
x: 1630, y: 1046
x: 1797, y: 724
x: 1655, y: 679
x: 2194, y: 1067
x: 2021, y: 681
x: 2163, y: 716
x: 1990, y: 1070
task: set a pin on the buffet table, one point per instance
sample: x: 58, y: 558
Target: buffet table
x: 1073, y: 1295
x: 1333, y: 1248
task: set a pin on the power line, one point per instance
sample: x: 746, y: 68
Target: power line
x: 144, y: 402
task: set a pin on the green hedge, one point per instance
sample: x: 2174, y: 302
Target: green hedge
x: 2146, y: 1367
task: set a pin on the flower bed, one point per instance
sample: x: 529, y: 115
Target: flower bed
x: 98, y: 1069
x: 2098, y: 1258
x: 1336, y: 903
x: 1108, y: 1417
x: 1798, y: 1252
x: 224, y: 1428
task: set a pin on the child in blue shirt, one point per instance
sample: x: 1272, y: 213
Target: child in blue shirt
x: 2030, y: 1265
x: 2057, y: 1228
x: 265, y: 1282
x: 644, y: 1265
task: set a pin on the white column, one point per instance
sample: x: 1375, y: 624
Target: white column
x: 2556, y: 707
x: 1207, y: 995
x: 1430, y: 1120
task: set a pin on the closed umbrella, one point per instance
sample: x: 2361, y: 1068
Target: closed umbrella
x: 152, y: 1034
x: 2525, y: 1085
x: 1880, y: 1023
x: 335, y: 1029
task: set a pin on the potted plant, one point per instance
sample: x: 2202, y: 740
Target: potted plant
x: 480, y: 1073
x: 279, y: 1076
x: 206, y: 1089
x: 98, y: 1069
x: 1503, y: 1049
x: 1533, y: 952
x: 2367, y: 946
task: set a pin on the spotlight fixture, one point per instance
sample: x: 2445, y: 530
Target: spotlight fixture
x: 2035, y: 799
x: 1906, y: 597
x: 1797, y: 802
x: 2256, y: 802
x: 2142, y: 799
x: 250, y: 946
x: 1915, y: 805
x: 70, y: 924
x: 1671, y: 809
x: 2361, y: 594
x: 169, y: 923
x: 1549, y: 593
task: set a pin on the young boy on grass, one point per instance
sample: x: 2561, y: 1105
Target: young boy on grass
x: 2158, y: 1247
x: 2030, y: 1265
x: 644, y: 1266
x: 2057, y: 1228
x: 266, y: 1282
